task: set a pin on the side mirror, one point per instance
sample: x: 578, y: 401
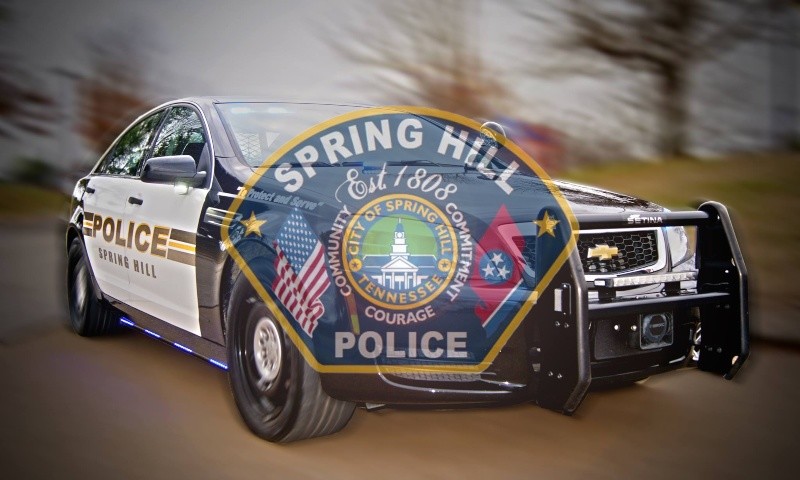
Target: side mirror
x: 172, y: 169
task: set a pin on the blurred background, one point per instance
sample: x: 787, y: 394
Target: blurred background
x: 585, y: 82
x: 675, y: 101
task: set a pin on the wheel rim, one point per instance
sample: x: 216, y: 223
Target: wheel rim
x: 267, y: 352
x: 696, y: 340
x: 80, y: 289
x: 263, y: 360
x: 80, y: 294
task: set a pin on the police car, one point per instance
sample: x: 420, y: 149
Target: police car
x: 334, y: 256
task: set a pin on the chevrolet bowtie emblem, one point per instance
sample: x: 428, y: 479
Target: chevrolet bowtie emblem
x: 602, y: 252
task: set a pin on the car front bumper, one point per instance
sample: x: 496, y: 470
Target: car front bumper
x: 568, y: 343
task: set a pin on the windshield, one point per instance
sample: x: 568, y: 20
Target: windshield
x: 260, y: 129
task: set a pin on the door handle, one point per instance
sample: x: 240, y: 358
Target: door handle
x: 135, y: 200
x: 89, y: 189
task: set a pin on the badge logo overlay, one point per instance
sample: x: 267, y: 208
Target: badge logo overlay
x: 401, y: 239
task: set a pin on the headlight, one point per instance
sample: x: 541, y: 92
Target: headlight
x: 682, y: 243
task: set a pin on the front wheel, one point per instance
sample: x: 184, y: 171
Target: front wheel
x: 278, y: 394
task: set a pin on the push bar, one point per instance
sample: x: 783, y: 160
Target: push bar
x: 594, y: 221
x: 563, y: 311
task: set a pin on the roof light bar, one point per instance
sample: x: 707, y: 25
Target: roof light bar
x: 637, y: 280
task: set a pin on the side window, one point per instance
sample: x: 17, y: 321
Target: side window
x: 128, y: 152
x: 182, y: 134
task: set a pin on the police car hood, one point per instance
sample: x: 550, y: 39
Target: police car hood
x: 586, y: 199
x: 581, y: 198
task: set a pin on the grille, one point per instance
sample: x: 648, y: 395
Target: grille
x: 636, y: 249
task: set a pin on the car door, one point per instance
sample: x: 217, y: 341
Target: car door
x: 105, y: 202
x: 163, y: 278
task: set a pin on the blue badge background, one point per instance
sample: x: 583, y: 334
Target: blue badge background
x: 478, y: 197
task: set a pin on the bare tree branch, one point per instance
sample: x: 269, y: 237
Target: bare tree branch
x: 663, y: 39
x: 116, y: 91
x: 750, y: 20
x: 24, y: 105
x: 423, y: 52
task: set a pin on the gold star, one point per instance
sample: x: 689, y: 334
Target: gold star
x: 546, y: 225
x: 252, y: 225
x: 355, y: 265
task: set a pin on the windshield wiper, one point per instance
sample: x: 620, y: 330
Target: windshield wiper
x: 418, y: 163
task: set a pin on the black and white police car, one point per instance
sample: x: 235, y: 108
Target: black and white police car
x: 327, y: 257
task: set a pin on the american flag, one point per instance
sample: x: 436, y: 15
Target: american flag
x: 301, y: 275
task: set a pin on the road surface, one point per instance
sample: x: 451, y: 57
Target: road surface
x: 128, y: 406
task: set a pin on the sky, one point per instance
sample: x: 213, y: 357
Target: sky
x: 283, y: 50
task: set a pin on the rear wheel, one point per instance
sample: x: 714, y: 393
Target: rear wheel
x: 277, y: 393
x: 89, y: 315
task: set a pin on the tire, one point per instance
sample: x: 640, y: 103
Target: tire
x: 279, y: 395
x: 89, y: 315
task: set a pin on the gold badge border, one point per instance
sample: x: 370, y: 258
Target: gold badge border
x: 529, y: 302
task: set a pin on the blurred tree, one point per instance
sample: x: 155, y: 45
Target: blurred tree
x: 426, y: 54
x: 34, y: 171
x: 24, y: 107
x: 116, y: 90
x: 659, y: 41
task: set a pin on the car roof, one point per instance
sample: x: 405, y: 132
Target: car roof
x: 209, y: 99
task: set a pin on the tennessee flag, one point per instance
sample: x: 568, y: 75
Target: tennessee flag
x: 495, y: 274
